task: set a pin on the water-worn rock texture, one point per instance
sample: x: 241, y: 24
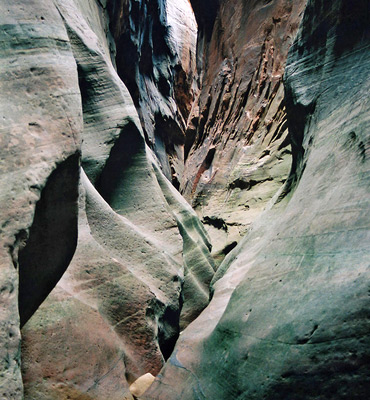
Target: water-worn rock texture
x: 289, y: 318
x: 142, y: 266
x: 41, y: 122
x: 289, y: 315
x: 237, y: 147
x: 156, y: 57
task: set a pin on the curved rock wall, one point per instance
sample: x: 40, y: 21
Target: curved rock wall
x: 142, y: 267
x: 41, y: 123
x: 156, y: 57
x: 289, y: 318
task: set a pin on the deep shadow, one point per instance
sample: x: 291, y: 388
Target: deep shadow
x: 122, y: 155
x: 52, y: 238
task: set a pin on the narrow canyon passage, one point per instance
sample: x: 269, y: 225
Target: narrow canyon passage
x: 142, y: 267
x: 185, y: 195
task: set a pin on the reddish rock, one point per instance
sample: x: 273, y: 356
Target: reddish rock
x: 289, y: 317
x: 142, y: 267
x: 237, y: 147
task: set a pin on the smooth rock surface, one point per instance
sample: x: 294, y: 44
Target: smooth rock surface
x: 41, y: 123
x: 142, y: 267
x: 289, y: 318
x: 142, y: 384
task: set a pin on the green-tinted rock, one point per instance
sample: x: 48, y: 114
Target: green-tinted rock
x: 289, y: 318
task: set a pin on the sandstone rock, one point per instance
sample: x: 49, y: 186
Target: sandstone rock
x: 198, y: 264
x: 237, y: 147
x: 289, y: 315
x: 159, y: 39
x: 142, y: 384
x: 140, y: 246
x: 41, y: 122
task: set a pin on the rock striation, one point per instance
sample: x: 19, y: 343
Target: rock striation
x: 237, y: 146
x: 142, y: 267
x: 156, y: 59
x: 41, y: 124
x: 110, y: 111
x: 289, y: 315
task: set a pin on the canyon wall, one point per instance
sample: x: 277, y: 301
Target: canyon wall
x: 156, y: 57
x: 237, y: 146
x: 41, y: 124
x: 142, y: 268
x: 289, y: 317
x: 111, y: 112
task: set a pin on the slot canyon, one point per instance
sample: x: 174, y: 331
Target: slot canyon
x: 185, y: 200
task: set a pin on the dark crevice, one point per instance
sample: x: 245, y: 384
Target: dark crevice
x: 167, y: 320
x: 226, y: 250
x: 169, y: 130
x: 189, y: 141
x: 246, y: 185
x: 124, y: 153
x: 52, y: 238
x: 218, y: 223
x: 201, y: 131
x: 298, y: 119
x: 174, y: 179
x: 168, y: 331
x: 205, y: 14
x: 209, y: 158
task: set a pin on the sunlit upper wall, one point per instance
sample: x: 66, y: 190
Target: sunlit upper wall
x: 183, y: 31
